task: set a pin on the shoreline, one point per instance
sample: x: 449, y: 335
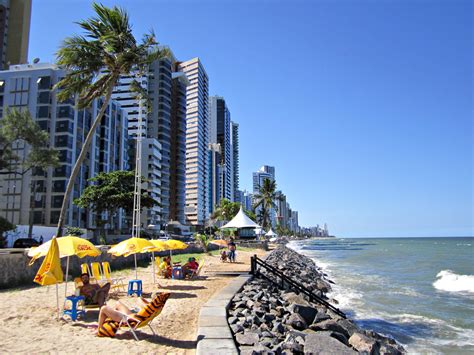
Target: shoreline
x: 266, y: 318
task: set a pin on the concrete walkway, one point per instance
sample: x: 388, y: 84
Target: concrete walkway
x: 214, y: 335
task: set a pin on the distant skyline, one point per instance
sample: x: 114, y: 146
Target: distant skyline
x: 364, y: 108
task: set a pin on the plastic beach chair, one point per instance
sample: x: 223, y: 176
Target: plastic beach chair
x: 197, y: 272
x: 97, y: 273
x: 86, y: 270
x: 136, y: 321
x: 117, y: 282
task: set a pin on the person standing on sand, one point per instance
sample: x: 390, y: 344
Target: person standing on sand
x: 232, y: 247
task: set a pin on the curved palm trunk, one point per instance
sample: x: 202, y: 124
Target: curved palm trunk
x: 80, y: 160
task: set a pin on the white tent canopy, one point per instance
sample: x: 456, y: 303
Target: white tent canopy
x: 241, y: 220
x: 270, y: 233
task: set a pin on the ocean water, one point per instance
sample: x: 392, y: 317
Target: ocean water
x: 420, y: 291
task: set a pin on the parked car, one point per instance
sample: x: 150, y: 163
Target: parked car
x: 25, y: 243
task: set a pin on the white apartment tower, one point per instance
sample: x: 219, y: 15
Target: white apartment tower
x: 197, y: 141
x: 39, y: 193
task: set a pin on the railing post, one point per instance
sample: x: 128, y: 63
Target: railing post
x: 253, y: 266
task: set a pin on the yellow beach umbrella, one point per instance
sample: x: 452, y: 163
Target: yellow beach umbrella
x: 159, y: 245
x: 68, y: 246
x: 132, y: 246
x: 50, y: 272
x: 219, y: 242
x: 174, y: 244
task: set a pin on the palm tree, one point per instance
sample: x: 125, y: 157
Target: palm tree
x: 93, y: 63
x: 265, y: 199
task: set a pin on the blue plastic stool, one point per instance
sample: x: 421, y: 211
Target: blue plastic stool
x: 131, y: 287
x: 177, y: 272
x: 74, y: 312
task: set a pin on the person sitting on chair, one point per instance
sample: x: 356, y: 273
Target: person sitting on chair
x: 93, y: 293
x: 165, y: 267
x: 223, y: 256
x: 190, y: 267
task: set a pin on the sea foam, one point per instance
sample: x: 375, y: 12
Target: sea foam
x: 451, y: 282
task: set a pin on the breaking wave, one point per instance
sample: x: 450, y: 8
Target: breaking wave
x: 451, y: 282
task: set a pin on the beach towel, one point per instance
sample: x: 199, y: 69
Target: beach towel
x: 144, y: 316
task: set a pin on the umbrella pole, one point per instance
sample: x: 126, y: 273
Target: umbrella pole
x: 65, y: 282
x: 136, y: 272
x: 153, y: 262
x: 57, y: 299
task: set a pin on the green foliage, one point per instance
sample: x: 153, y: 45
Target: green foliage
x: 280, y: 230
x: 74, y: 231
x: 227, y: 210
x: 112, y: 191
x: 94, y: 62
x: 265, y: 199
x: 5, y: 226
x: 203, y: 240
x: 108, y: 43
x: 18, y: 126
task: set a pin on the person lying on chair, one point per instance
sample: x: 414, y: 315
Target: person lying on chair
x: 93, y: 293
x: 111, y: 319
x: 118, y: 311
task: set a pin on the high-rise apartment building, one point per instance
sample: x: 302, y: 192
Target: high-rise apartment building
x: 220, y: 133
x: 30, y: 86
x: 246, y: 200
x: 214, y: 176
x: 15, y: 18
x: 235, y: 161
x: 197, y: 140
x: 164, y: 122
x: 178, y: 145
x: 265, y: 172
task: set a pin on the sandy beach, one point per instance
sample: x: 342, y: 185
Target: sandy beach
x: 29, y: 323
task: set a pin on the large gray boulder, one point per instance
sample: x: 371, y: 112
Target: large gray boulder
x: 323, y: 344
x: 247, y: 338
x: 297, y: 322
x: 363, y: 343
x: 308, y: 313
x: 330, y: 325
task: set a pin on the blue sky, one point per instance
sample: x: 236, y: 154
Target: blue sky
x: 363, y: 107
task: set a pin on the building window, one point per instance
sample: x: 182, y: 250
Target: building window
x: 44, y: 83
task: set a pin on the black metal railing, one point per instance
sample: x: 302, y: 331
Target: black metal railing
x: 256, y: 262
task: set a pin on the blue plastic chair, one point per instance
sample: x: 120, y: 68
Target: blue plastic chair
x: 135, y: 290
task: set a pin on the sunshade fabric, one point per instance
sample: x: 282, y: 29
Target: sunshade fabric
x: 159, y: 245
x: 174, y: 244
x: 271, y: 233
x: 219, y: 242
x: 241, y: 220
x: 131, y: 246
x: 50, y: 271
x: 68, y: 246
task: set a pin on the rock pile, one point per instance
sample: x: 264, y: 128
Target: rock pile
x: 267, y: 319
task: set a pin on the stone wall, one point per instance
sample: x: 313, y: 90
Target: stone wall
x: 15, y: 271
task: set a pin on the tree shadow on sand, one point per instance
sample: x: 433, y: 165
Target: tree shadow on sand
x: 178, y: 295
x: 159, y: 340
x: 183, y: 287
